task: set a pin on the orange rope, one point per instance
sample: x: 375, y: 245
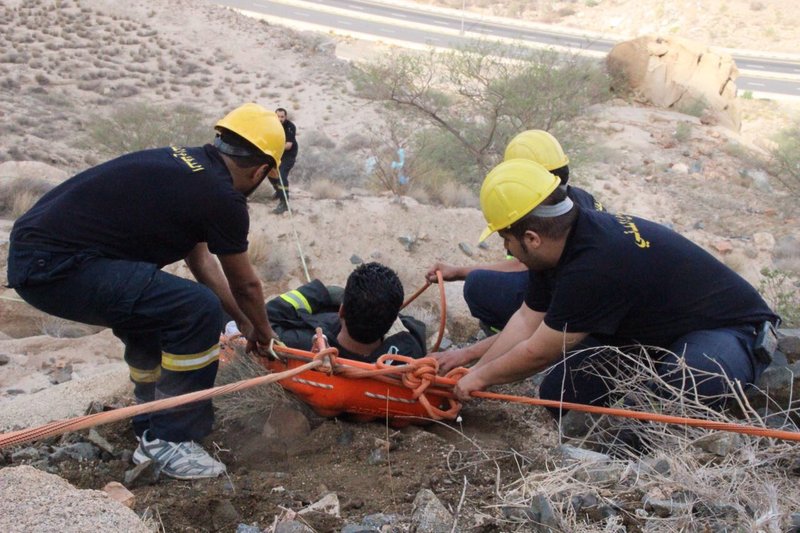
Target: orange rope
x: 83, y: 422
x: 651, y: 417
x: 420, y: 375
x: 442, y: 307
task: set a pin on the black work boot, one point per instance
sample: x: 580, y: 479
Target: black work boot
x: 282, y: 206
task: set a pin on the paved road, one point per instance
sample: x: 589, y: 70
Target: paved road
x: 424, y: 27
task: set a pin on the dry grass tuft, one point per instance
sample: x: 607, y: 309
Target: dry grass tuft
x: 745, y: 487
x: 258, y: 249
x: 61, y: 328
x: 454, y: 194
x: 18, y: 195
x: 326, y: 189
x: 252, y: 402
x: 277, y: 265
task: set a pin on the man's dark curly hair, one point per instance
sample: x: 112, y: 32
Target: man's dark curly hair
x: 372, y: 298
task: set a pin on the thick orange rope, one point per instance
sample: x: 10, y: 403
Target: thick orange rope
x: 442, y: 307
x: 83, y: 422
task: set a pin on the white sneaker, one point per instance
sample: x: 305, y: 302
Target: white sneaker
x: 179, y: 460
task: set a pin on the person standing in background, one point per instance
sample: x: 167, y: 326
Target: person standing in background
x: 281, y: 184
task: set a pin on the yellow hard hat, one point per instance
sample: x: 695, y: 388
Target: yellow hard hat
x: 539, y: 146
x: 511, y: 190
x: 259, y: 126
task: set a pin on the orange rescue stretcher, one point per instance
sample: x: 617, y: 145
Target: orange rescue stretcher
x: 396, y: 388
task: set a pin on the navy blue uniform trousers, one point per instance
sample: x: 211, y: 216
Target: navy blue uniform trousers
x: 170, y: 326
x: 710, y: 360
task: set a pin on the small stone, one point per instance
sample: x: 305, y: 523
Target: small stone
x: 61, y: 374
x: 464, y: 247
x: 328, y: 504
x: 378, y: 456
x: 98, y: 440
x: 720, y: 444
x: 146, y: 473
x: 358, y: 528
x: 764, y: 241
x: 408, y: 241
x: 354, y: 259
x: 665, y: 508
x: 25, y: 454
x: 789, y: 343
x: 80, y: 451
x: 292, y: 526
x: 429, y: 514
x: 285, y: 425
x: 223, y: 513
x: 723, y: 247
x: 571, y: 453
x: 680, y: 168
x: 4, y: 359
x: 378, y: 520
x: 345, y: 438
x: 119, y: 493
x: 248, y: 528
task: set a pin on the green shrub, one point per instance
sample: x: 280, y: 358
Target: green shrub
x: 683, y: 132
x: 786, y: 156
x: 782, y: 291
x: 142, y: 125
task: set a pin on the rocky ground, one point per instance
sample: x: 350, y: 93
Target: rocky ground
x: 500, y: 467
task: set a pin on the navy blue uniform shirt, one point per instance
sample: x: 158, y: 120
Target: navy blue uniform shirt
x: 627, y: 280
x: 153, y: 206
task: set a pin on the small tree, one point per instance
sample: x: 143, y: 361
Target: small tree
x: 786, y: 156
x: 483, y: 94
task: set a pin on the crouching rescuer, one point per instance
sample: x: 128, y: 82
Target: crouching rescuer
x: 92, y: 249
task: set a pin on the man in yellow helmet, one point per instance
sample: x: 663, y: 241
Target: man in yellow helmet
x: 92, y: 250
x: 598, y: 279
x: 494, y: 291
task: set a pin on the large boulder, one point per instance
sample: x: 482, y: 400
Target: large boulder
x: 31, y: 500
x: 677, y: 73
x: 32, y: 170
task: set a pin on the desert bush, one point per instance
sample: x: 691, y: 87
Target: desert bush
x: 683, y: 132
x: 318, y: 139
x: 276, y: 265
x: 694, y: 107
x: 354, y: 141
x: 482, y: 95
x: 454, y: 194
x: 745, y: 487
x: 326, y: 189
x: 317, y: 162
x: 141, y: 125
x: 18, y: 195
x: 782, y: 290
x: 258, y: 248
x: 786, y: 156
